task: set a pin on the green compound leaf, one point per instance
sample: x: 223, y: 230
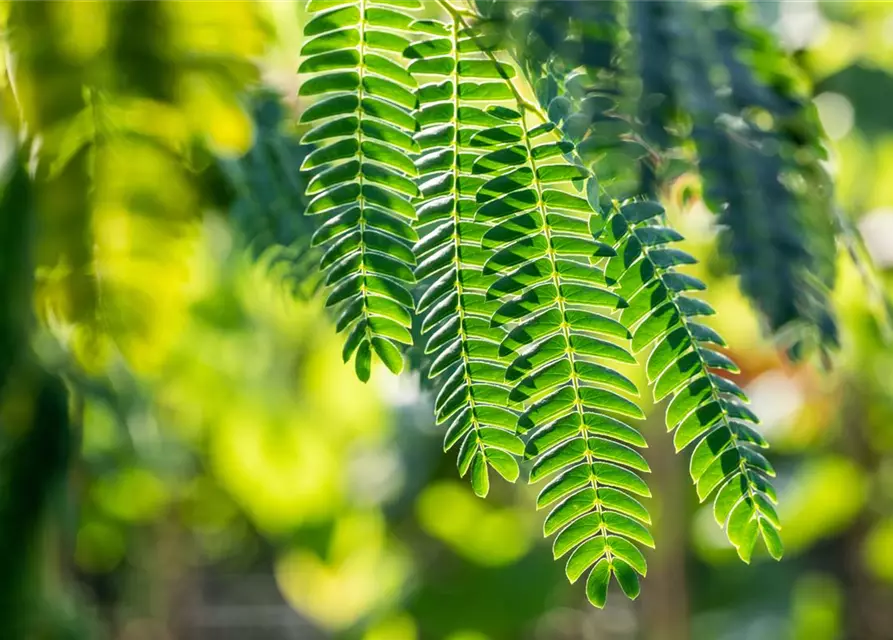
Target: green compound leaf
x: 455, y: 206
x: 563, y: 343
x: 455, y: 311
x: 362, y: 173
x: 706, y: 411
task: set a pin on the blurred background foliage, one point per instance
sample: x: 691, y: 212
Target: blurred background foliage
x: 183, y: 455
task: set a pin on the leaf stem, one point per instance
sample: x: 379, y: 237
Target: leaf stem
x: 459, y: 15
x: 361, y: 200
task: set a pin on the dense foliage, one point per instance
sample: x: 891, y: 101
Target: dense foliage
x: 480, y: 187
x: 454, y: 180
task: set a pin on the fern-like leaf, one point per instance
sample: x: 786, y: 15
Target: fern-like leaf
x: 434, y: 157
x: 707, y: 411
x: 563, y: 341
x: 268, y: 203
x: 766, y: 184
x: 362, y: 170
x: 456, y: 133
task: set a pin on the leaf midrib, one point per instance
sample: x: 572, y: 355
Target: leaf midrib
x: 362, y: 158
x: 460, y: 307
x: 565, y: 330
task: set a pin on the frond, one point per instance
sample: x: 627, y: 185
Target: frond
x: 759, y: 154
x: 707, y: 411
x: 268, y: 197
x: 462, y: 126
x: 434, y: 166
x: 564, y: 344
x: 362, y: 170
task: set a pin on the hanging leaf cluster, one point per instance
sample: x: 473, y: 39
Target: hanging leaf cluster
x: 459, y: 215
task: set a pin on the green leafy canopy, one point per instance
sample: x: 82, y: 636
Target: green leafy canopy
x: 456, y: 215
